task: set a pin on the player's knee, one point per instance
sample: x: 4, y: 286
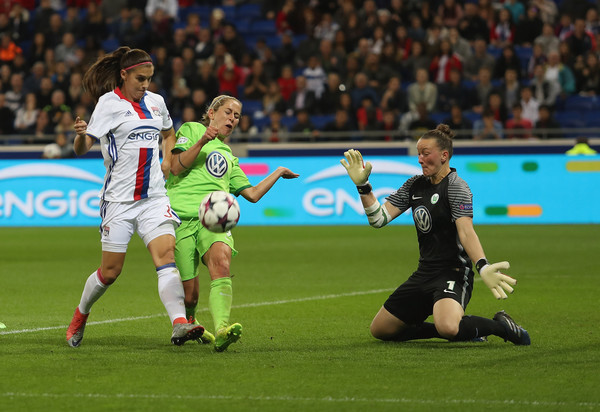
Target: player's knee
x: 380, y: 332
x: 447, y: 329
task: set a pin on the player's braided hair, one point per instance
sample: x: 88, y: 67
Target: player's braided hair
x: 215, y: 105
x: 105, y: 73
x: 443, y: 136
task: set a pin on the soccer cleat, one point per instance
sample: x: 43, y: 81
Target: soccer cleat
x: 207, y: 338
x: 76, y: 328
x: 480, y: 339
x: 227, y: 336
x: 514, y: 333
x: 182, y: 332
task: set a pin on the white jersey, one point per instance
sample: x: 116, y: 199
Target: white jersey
x: 129, y: 137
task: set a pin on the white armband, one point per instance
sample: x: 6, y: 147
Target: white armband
x: 378, y: 215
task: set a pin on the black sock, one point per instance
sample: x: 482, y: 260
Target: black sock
x: 471, y: 327
x: 423, y: 331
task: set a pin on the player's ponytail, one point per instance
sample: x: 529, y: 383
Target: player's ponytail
x: 443, y: 136
x: 105, y: 74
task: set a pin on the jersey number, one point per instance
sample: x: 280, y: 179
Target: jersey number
x: 451, y: 284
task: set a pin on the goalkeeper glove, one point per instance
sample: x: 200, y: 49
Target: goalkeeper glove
x: 357, y: 170
x: 495, y: 280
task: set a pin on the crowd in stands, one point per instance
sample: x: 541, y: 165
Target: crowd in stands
x: 373, y: 69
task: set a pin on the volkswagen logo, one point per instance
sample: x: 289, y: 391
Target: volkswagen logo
x: 422, y: 219
x: 216, y: 164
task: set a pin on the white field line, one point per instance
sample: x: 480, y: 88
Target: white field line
x: 326, y: 399
x: 245, y: 305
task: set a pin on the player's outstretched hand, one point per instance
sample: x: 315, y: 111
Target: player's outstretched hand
x: 497, y: 281
x: 357, y: 170
x: 286, y: 173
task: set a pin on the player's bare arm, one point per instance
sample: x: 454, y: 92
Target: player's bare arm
x: 83, y: 142
x: 255, y: 193
x: 168, y: 142
x: 183, y: 160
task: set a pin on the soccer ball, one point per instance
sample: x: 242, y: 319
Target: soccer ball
x: 219, y: 212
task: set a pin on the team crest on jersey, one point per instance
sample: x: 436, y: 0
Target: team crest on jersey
x: 106, y: 231
x: 155, y: 111
x: 216, y: 164
x: 422, y: 219
x: 435, y: 198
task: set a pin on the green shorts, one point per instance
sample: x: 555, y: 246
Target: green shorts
x: 192, y: 241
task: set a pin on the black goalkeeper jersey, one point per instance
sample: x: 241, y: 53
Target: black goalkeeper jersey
x: 435, y: 209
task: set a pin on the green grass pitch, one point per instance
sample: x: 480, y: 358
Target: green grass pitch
x: 306, y: 297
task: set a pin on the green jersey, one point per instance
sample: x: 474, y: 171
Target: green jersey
x: 215, y: 168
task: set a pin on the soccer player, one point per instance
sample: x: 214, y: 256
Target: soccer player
x: 442, y: 209
x: 203, y: 163
x: 128, y: 121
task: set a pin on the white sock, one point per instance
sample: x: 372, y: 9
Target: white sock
x: 170, y: 290
x: 92, y: 291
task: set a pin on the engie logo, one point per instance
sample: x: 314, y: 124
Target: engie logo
x: 331, y: 201
x: 48, y: 194
x: 144, y: 133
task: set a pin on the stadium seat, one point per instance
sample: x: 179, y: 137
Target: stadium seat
x: 203, y: 11
x: 582, y: 103
x: 288, y: 121
x: 110, y: 44
x: 251, y: 106
x: 438, y: 117
x: 471, y: 116
x: 264, y: 27
x: 249, y: 11
x: 319, y: 121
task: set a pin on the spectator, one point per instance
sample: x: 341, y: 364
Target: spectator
x: 422, y: 91
x: 44, y: 93
x: 72, y: 23
x: 451, y: 12
x: 233, y: 42
x: 461, y: 125
x: 391, y: 123
x: 547, y: 127
x: 287, y: 82
x: 207, y: 81
x: 7, y: 117
x: 275, y: 131
x: 394, y: 97
x: 255, y: 85
x: 204, y: 47
x: 548, y: 10
x: 460, y: 46
x: 587, y: 77
x: 15, y: 95
x: 315, y: 76
x: 55, y: 110
x: 74, y: 90
x: 326, y: 27
x: 68, y: 51
x: 26, y: 116
x: 518, y: 127
x: 302, y: 98
x: 361, y: 90
x: 580, y: 41
x: 496, y: 105
x: 537, y: 58
x: 377, y: 74
x: 516, y: 9
x: 555, y: 71
x: 453, y: 92
x: 472, y: 26
x: 422, y: 123
x: 487, y: 128
x: 169, y: 7
x: 272, y: 100
x: 230, y: 77
x: 503, y: 31
x: 136, y: 35
x: 547, y: 39
x: 507, y: 60
x: 482, y: 89
x: 8, y: 49
x: 445, y: 61
x: 543, y: 90
x: 331, y: 95
x: 510, y: 88
x: 529, y: 27
x: 330, y: 60
x: 478, y: 59
x: 37, y: 50
x: 417, y: 60
x: 286, y: 53
x: 529, y: 104
x: 368, y: 115
x: 340, y: 124
x: 402, y: 42
x: 305, y: 127
x: 246, y: 130
x: 592, y: 22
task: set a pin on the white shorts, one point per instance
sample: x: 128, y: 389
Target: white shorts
x: 150, y: 218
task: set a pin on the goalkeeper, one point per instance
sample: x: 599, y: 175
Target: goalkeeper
x: 442, y: 210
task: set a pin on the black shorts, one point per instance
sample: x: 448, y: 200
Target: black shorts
x: 413, y: 301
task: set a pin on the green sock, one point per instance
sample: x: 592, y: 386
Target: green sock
x: 190, y: 312
x: 219, y: 301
